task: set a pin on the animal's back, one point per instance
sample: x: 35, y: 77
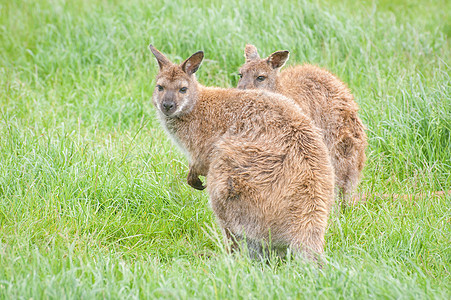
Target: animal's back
x: 271, y: 175
x: 331, y: 106
x: 324, y: 95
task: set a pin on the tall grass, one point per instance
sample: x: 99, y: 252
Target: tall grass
x: 93, y: 199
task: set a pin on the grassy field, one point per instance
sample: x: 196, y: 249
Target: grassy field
x: 93, y: 199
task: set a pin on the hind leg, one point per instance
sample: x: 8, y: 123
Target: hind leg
x: 348, y: 164
x: 230, y: 218
x: 347, y: 186
x: 309, y: 225
x: 258, y: 249
x: 346, y: 190
x: 255, y: 248
x: 309, y: 245
x: 224, y: 200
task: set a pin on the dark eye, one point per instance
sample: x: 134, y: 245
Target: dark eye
x: 160, y: 88
x: 241, y: 75
x: 183, y: 90
x: 261, y: 78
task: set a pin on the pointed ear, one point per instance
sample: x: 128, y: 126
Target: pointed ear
x: 278, y: 59
x: 162, y: 60
x: 250, y: 52
x: 191, y: 64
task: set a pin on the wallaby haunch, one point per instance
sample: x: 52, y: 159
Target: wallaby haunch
x: 325, y: 99
x: 268, y: 171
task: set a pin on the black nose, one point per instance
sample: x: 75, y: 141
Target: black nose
x: 168, y: 105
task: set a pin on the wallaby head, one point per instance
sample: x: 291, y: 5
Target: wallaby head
x: 257, y: 73
x: 176, y: 86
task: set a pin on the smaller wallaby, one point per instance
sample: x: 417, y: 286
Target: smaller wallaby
x: 268, y: 172
x: 325, y: 99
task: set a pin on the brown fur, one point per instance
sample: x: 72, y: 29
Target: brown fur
x: 326, y: 99
x: 268, y: 171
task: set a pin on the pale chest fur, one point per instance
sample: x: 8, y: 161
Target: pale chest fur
x: 174, y: 131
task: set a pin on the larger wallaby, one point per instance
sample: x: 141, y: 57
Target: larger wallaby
x: 268, y: 171
x: 325, y: 99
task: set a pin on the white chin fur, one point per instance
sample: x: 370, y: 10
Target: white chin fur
x: 182, y: 109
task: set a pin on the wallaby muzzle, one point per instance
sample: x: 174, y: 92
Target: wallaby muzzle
x: 168, y: 107
x: 241, y: 86
x: 245, y: 86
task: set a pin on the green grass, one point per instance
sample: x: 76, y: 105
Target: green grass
x: 93, y: 199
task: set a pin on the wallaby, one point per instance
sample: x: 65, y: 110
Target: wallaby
x: 268, y: 172
x: 325, y: 99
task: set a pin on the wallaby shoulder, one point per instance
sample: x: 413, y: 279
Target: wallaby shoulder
x: 312, y: 76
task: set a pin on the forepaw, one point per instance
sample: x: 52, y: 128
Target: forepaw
x: 195, y: 182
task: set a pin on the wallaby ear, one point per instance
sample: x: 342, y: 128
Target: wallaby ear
x: 162, y: 60
x: 250, y: 52
x: 191, y: 64
x: 278, y: 59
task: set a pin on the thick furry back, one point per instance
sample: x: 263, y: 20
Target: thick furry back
x: 273, y: 186
x: 330, y: 104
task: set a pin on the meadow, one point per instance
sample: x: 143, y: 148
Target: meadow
x: 93, y: 195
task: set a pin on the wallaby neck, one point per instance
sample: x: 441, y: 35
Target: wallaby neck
x: 278, y: 84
